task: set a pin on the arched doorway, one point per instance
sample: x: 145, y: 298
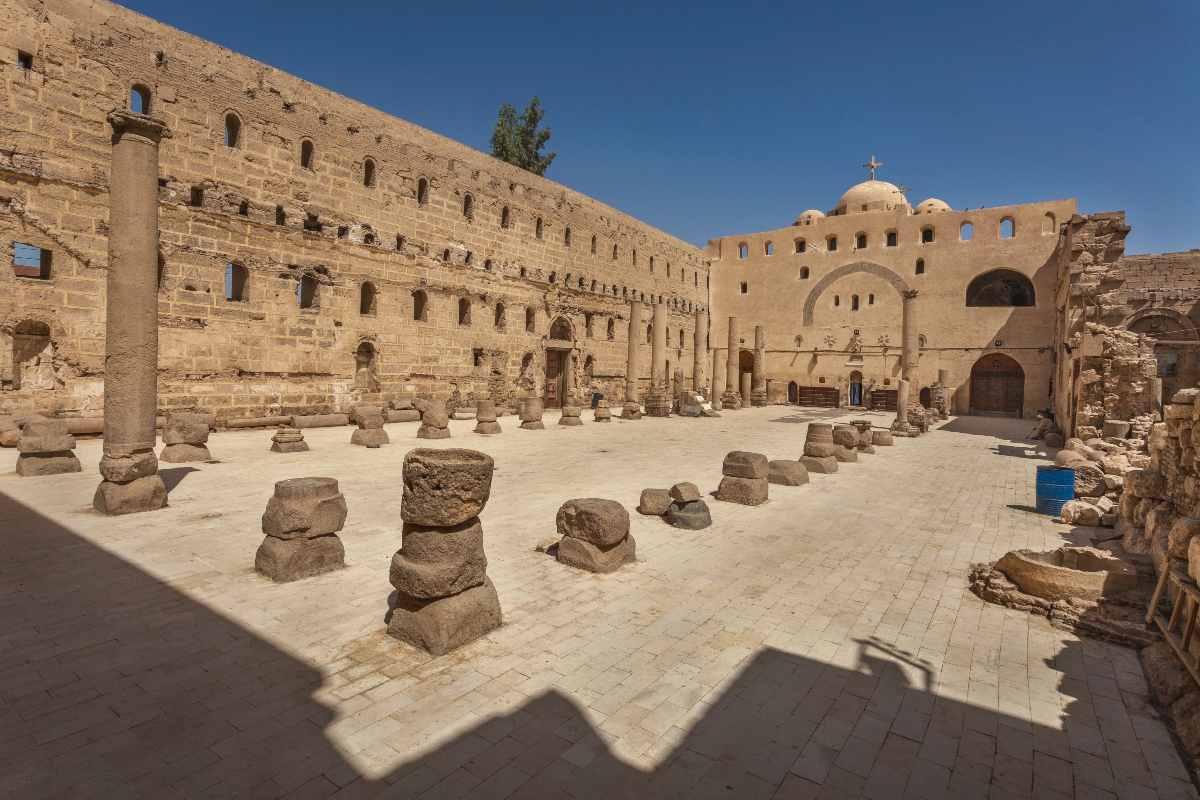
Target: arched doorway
x: 364, y: 367
x: 856, y: 388
x: 1174, y: 339
x: 997, y: 386
x: 33, y: 356
x: 793, y: 393
x: 926, y: 397
x: 559, y: 344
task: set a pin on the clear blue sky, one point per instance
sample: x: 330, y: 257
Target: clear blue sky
x: 709, y: 120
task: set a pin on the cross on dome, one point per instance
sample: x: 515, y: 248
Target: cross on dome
x: 873, y: 165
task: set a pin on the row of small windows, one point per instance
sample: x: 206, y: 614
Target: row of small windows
x: 854, y: 301
x: 1005, y: 230
x: 918, y: 269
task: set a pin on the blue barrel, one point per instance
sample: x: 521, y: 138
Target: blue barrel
x: 1055, y: 486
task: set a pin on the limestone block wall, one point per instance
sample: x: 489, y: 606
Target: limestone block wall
x: 308, y: 196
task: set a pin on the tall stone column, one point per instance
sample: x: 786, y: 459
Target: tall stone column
x: 700, y: 356
x: 633, y: 406
x: 908, y: 361
x: 758, y: 383
x: 129, y: 467
x: 731, y: 400
x: 718, y: 376
x: 658, y: 401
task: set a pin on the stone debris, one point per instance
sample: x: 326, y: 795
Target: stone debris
x: 301, y: 524
x: 435, y: 422
x: 744, y: 478
x: 689, y: 404
x: 486, y: 418
x: 826, y: 465
x: 866, y: 440
x: 602, y: 412
x: 787, y: 473
x: 288, y: 440
x: 571, y: 416
x: 10, y: 432
x: 595, y: 535
x: 531, y: 412
x: 654, y: 502
x: 818, y: 442
x: 845, y: 440
x: 631, y: 410
x: 443, y: 598
x: 882, y: 438
x: 369, y: 420
x: 402, y: 415
x: 45, y: 448
x: 687, y: 509
x: 185, y: 438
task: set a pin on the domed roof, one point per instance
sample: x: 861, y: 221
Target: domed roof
x: 809, y: 217
x: 871, y: 195
x: 932, y: 205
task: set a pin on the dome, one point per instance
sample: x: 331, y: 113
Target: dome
x: 809, y: 217
x: 872, y: 195
x: 932, y: 205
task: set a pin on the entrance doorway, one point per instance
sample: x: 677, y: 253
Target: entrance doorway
x: 926, y: 398
x: 556, y: 378
x: 856, y: 388
x: 997, y: 386
x: 793, y: 393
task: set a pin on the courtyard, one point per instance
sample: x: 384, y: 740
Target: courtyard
x: 821, y: 645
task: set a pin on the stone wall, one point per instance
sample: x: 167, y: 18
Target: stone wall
x: 382, y: 203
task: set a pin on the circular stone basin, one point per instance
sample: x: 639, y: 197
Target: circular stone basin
x: 1069, y: 572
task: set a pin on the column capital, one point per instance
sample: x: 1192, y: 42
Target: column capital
x: 126, y: 122
x: 909, y: 294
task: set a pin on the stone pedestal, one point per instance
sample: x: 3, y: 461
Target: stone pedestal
x: 435, y: 422
x: 845, y: 440
x: 818, y: 441
x: 288, y: 440
x: 602, y: 412
x: 301, y: 524
x: 758, y: 383
x: 45, y: 448
x: 731, y: 399
x: 485, y: 417
x: 744, y: 478
x: 185, y: 438
x: 443, y: 596
x: 369, y: 420
x: 129, y: 467
x: 595, y: 535
x: 782, y: 472
x: 687, y: 509
x: 571, y: 416
x: 631, y: 411
x: 532, y: 409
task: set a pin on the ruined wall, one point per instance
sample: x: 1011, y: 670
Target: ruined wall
x: 381, y: 202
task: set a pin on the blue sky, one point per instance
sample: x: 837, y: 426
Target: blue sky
x: 708, y: 120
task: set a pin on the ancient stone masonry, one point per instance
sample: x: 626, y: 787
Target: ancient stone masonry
x: 185, y: 438
x: 572, y: 416
x: 443, y: 598
x: 301, y: 525
x: 658, y: 399
x: 46, y: 448
x: 744, y: 478
x: 595, y: 535
x: 370, y: 432
x: 288, y: 440
x: 731, y: 400
x: 845, y: 441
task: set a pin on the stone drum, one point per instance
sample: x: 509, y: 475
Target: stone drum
x: 744, y: 478
x: 301, y: 524
x: 531, y: 414
x: 45, y: 448
x: 185, y: 438
x: 288, y: 440
x: 595, y: 535
x: 485, y: 417
x: 435, y: 422
x: 370, y: 433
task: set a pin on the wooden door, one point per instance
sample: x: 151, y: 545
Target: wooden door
x: 997, y: 386
x: 554, y: 374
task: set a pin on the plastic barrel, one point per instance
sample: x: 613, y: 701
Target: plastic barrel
x: 1055, y: 486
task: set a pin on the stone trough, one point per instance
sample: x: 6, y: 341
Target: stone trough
x: 1068, y: 572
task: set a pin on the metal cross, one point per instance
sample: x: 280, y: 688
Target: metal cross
x: 873, y: 165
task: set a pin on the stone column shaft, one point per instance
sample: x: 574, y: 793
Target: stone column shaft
x: 631, y: 366
x: 658, y: 354
x: 718, y: 379
x: 700, y: 356
x: 731, y: 399
x: 908, y: 335
x: 758, y: 383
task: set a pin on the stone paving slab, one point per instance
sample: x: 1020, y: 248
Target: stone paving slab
x: 823, y: 644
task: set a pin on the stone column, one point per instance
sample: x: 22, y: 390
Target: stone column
x: 731, y: 400
x: 700, y: 356
x: 758, y: 384
x: 658, y: 401
x: 633, y: 406
x: 718, y: 376
x: 129, y: 467
x: 908, y: 361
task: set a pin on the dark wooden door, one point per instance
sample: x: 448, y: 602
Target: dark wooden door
x: 997, y: 386
x: 554, y: 372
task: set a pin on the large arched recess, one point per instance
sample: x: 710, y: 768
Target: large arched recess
x: 878, y: 270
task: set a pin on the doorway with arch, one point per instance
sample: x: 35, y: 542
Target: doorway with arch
x: 997, y: 386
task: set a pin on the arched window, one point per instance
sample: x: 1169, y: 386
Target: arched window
x: 236, y: 278
x: 920, y: 269
x: 1008, y: 228
x: 860, y: 241
x: 530, y: 320
x: 420, y: 306
x: 446, y: 255
x: 306, y: 292
x: 831, y: 244
x: 561, y: 329
x: 965, y: 232
x: 400, y: 242
x: 553, y: 277
x: 582, y: 283
x: 612, y: 329
x: 538, y: 228
x: 423, y: 192
x: 927, y: 235
x: 487, y: 265
x: 280, y: 216
x: 593, y: 244
x: 233, y: 130
x: 743, y: 250
x: 837, y: 301
x: 505, y: 217
x: 804, y: 273
x: 1049, y: 224
x: 368, y: 172
x: 801, y: 245
x: 500, y: 320
x: 769, y: 249
x: 566, y: 237
x: 139, y: 99
x: 468, y: 206
x: 367, y: 296
x: 307, y: 154
x: 651, y: 265
x: 1001, y: 287
x: 854, y: 302
x: 464, y: 311
x: 588, y: 319
x: 615, y: 252
x: 364, y: 367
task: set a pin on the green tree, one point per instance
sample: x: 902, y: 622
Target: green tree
x: 518, y: 139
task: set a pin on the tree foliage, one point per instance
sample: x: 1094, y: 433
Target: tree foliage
x: 518, y: 140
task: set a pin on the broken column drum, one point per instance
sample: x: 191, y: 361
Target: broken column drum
x: 866, y: 437
x: 45, y: 448
x: 129, y: 467
x: 531, y: 414
x: 571, y: 416
x: 602, y: 413
x: 443, y: 597
x: 744, y: 478
x: 633, y: 406
x: 369, y: 420
x: 758, y: 383
x: 485, y: 417
x: 845, y: 440
x: 301, y: 524
x: 185, y: 438
x: 820, y: 452
x: 435, y: 422
x: 687, y: 509
x: 288, y: 440
x: 658, y: 399
x: 731, y: 399
x: 595, y: 535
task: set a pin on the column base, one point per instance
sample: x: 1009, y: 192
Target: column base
x: 147, y: 493
x: 731, y: 401
x: 758, y: 397
x: 658, y: 404
x: 631, y: 410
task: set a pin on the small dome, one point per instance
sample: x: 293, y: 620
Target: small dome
x: 809, y: 217
x: 932, y: 205
x: 872, y: 196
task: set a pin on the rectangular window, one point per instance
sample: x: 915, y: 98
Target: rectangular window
x: 24, y: 60
x: 197, y: 197
x: 745, y: 287
x: 832, y: 244
x: 29, y: 261
x: 891, y: 238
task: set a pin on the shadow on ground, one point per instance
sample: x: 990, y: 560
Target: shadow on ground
x: 1012, y: 430
x: 115, y: 685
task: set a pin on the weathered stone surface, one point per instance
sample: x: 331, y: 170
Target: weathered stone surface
x: 485, y: 411
x: 432, y: 432
x: 1069, y: 572
x: 692, y: 516
x: 787, y: 473
x: 569, y: 422
x: 1185, y: 714
x: 533, y: 425
x: 1180, y: 535
x: 141, y: 494
x: 442, y: 625
x: 284, y: 560
x: 186, y: 428
x: 845, y: 455
x: 437, y: 562
x: 602, y: 412
x: 1052, y: 439
x: 631, y: 411
x: 531, y: 410
x: 822, y: 466
x: 487, y: 428
x: 741, y: 464
x: 370, y: 437
x: 882, y: 438
x: 588, y: 556
x: 685, y: 492
x: 32, y: 465
x: 1068, y: 458
x: 46, y: 442
x: 604, y: 523
x: 1078, y: 512
x: 303, y: 421
x: 746, y: 491
x: 289, y: 447
x: 434, y: 415
x: 305, y: 508
x: 445, y: 487
x: 1089, y: 480
x: 654, y: 502
x: 1115, y: 428
x: 818, y: 441
x: 128, y: 468
x: 403, y: 415
x: 183, y: 453
x: 1145, y: 483
x: 288, y: 440
x: 846, y: 436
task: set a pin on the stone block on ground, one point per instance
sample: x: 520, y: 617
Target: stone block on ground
x: 685, y: 492
x: 692, y: 516
x: 845, y: 455
x: 446, y: 623
x: 654, y: 502
x: 602, y: 412
x: 570, y: 416
x: 186, y: 428
x: 603, y: 523
x: 370, y: 437
x: 818, y: 440
x: 403, y: 415
x: 742, y: 464
x: 437, y: 562
x: 588, y: 556
x: 445, y: 487
x: 33, y: 465
x: 1079, y: 512
x: 288, y: 440
x: 746, y: 491
x: 787, y: 473
x: 822, y: 466
x: 284, y: 560
x: 487, y: 428
x: 146, y: 493
x: 631, y: 411
x: 305, y: 508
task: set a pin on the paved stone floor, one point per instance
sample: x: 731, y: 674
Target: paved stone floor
x: 821, y: 645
